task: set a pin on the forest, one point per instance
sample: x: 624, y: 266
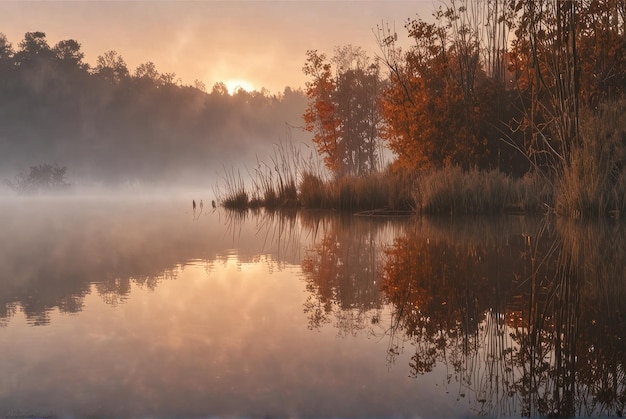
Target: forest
x: 496, y: 105
x: 111, y: 126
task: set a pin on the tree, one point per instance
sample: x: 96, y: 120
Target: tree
x: 343, y: 109
x: 111, y: 66
x: 6, y: 60
x: 358, y: 89
x: 320, y: 116
x: 429, y: 112
x: 33, y: 48
x: 68, y: 52
x: 219, y: 89
x: 549, y: 78
x: 602, y: 43
x: 443, y: 104
x: 41, y: 178
x: 6, y: 48
x: 147, y: 70
x: 200, y: 85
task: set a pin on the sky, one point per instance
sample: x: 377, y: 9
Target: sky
x: 253, y: 44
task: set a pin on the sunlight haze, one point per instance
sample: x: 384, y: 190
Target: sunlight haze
x: 261, y: 42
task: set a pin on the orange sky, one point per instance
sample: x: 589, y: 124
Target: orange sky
x: 259, y: 42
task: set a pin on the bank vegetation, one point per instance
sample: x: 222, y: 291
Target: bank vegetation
x: 496, y: 106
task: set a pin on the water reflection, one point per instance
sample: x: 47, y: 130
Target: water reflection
x: 511, y: 316
x: 341, y: 270
x: 529, y: 320
x: 53, y: 250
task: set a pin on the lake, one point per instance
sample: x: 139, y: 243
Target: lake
x: 141, y: 307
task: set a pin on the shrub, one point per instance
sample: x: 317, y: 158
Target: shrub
x: 41, y: 178
x: 592, y: 181
x: 454, y: 191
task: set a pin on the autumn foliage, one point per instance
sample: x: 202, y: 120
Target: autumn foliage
x: 489, y: 85
x: 343, y: 112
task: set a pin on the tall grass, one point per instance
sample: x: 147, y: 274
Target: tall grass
x: 313, y: 192
x: 454, y: 191
x: 290, y: 180
x: 235, y: 195
x: 593, y: 181
x: 273, y: 185
x: 379, y: 190
x: 450, y: 190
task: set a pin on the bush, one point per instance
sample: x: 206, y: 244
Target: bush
x: 593, y: 181
x: 41, y: 178
x: 454, y: 191
x: 313, y: 193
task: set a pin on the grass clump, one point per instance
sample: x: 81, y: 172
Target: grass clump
x: 534, y: 192
x: 239, y: 200
x: 362, y: 193
x: 313, y: 191
x: 235, y: 196
x: 272, y: 186
x: 354, y: 193
x: 452, y: 190
x: 593, y: 180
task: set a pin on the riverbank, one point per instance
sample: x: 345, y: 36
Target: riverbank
x: 450, y: 190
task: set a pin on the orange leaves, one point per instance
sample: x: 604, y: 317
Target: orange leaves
x: 428, y: 119
x: 342, y: 111
x: 320, y: 115
x: 439, y: 107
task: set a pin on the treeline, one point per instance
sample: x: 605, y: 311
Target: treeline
x: 110, y: 125
x: 522, y: 87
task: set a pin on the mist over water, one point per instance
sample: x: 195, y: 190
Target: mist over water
x: 111, y: 126
x: 139, y: 306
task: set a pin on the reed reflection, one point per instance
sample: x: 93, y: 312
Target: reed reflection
x: 260, y: 232
x: 528, y: 319
x: 342, y: 268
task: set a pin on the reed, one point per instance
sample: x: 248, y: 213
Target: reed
x: 379, y: 190
x: 234, y: 196
x: 313, y: 192
x: 271, y: 186
x: 535, y: 193
x: 593, y: 179
x: 452, y: 190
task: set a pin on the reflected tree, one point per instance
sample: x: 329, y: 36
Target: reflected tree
x: 442, y: 290
x: 109, y: 250
x: 341, y: 272
x: 530, y: 323
x: 570, y: 345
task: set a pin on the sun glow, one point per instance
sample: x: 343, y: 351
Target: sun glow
x: 235, y: 84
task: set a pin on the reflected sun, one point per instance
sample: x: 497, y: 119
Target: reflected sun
x: 235, y: 84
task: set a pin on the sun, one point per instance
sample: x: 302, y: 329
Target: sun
x: 235, y: 84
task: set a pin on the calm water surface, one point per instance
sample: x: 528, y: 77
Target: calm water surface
x: 143, y: 308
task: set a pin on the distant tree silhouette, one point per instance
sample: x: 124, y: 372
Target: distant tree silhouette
x: 68, y: 53
x: 111, y: 66
x: 41, y: 178
x: 33, y: 48
x: 113, y: 127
